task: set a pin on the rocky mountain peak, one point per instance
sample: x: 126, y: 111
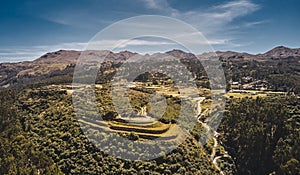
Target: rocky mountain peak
x: 281, y: 52
x: 180, y: 54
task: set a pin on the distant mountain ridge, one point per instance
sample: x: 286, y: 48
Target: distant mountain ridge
x: 62, y: 62
x: 71, y: 56
x: 281, y: 52
x: 277, y: 52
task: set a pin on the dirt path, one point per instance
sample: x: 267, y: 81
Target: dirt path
x: 215, y: 134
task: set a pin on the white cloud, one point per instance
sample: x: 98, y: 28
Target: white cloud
x: 156, y: 4
x: 213, y: 21
x: 255, y: 23
x: 160, y: 5
x: 225, y: 12
x: 22, y: 53
x: 123, y: 43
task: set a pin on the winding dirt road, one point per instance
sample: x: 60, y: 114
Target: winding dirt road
x: 213, y: 156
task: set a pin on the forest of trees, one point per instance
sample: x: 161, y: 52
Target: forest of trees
x: 263, y: 134
x: 46, y: 132
x: 40, y: 135
x: 18, y: 154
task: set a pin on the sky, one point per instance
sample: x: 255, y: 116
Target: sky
x: 30, y: 28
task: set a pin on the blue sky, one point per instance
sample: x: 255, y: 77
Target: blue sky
x: 29, y: 28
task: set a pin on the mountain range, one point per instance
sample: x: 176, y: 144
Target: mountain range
x: 62, y: 62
